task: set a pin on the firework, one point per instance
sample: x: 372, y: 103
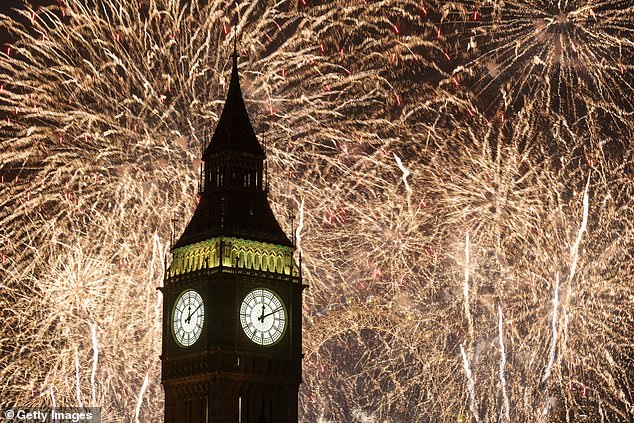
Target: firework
x: 568, y: 57
x: 464, y: 264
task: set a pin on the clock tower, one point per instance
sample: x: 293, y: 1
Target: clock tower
x: 232, y: 311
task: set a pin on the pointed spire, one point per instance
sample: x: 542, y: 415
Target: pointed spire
x: 234, y: 56
x: 234, y: 130
x: 235, y: 44
x: 233, y: 201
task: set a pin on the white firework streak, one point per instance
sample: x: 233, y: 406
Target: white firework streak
x: 53, y: 397
x: 137, y: 411
x: 574, y: 257
x: 406, y: 173
x: 300, y: 227
x: 574, y: 250
x: 158, y: 250
x: 473, y: 406
x: 502, y: 366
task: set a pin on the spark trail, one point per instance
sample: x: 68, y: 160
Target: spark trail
x: 104, y: 111
x: 507, y: 406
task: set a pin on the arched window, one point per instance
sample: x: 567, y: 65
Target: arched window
x: 265, y: 262
x: 280, y: 267
x: 249, y: 259
x: 226, y: 260
x: 257, y: 261
x: 287, y: 265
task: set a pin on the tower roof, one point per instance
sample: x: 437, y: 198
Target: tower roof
x: 229, y: 206
x: 234, y: 130
x: 239, y: 215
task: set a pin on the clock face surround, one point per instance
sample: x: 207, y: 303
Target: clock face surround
x: 263, y: 316
x: 188, y: 316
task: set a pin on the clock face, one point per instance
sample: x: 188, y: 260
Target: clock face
x: 188, y: 316
x: 263, y: 316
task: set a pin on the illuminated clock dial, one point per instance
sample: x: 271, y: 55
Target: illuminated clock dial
x: 188, y: 316
x: 263, y: 316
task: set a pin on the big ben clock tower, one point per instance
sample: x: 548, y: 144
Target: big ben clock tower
x: 232, y: 324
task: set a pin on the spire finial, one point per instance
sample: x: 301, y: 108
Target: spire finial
x: 234, y: 55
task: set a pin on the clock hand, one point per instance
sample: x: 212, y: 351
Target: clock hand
x: 273, y: 312
x: 187, y: 318
x: 192, y: 313
x: 261, y: 318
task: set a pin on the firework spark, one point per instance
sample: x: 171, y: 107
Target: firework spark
x: 394, y: 129
x: 569, y: 57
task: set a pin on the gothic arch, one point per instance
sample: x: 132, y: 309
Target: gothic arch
x: 249, y: 258
x: 258, y: 261
x: 280, y: 265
